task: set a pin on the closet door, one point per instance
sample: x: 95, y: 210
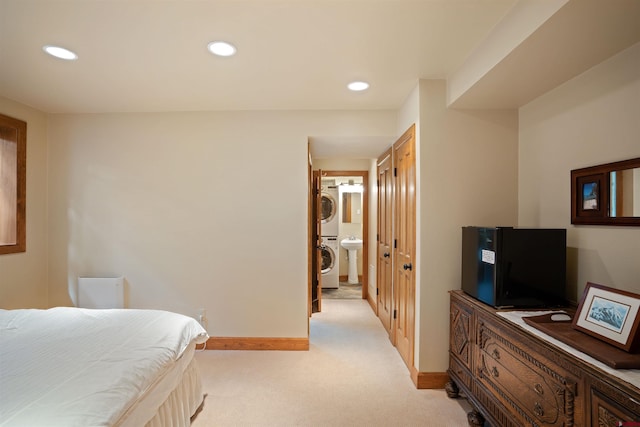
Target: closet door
x: 404, y: 291
x: 385, y: 241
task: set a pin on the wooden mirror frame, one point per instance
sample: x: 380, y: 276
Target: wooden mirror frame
x: 598, y: 177
x: 20, y: 128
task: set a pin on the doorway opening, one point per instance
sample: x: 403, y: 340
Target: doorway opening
x: 342, y: 223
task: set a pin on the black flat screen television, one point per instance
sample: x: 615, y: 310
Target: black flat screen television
x: 515, y: 267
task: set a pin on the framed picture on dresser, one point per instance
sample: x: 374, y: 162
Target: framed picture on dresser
x: 610, y: 315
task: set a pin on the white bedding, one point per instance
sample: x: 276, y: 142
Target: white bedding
x: 80, y: 367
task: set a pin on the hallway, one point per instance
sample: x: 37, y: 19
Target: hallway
x: 351, y: 376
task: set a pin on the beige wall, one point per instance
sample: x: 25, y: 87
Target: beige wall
x: 591, y: 119
x: 23, y: 276
x: 196, y: 210
x: 523, y: 19
x: 468, y: 168
x: 340, y: 164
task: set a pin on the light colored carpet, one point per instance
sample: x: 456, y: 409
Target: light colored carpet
x: 351, y: 376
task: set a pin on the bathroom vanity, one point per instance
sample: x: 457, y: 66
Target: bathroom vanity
x: 513, y: 377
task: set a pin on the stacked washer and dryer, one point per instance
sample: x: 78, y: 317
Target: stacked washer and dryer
x: 329, y: 233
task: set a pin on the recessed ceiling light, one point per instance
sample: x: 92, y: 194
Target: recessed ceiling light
x: 358, y: 86
x: 222, y: 48
x: 60, y: 52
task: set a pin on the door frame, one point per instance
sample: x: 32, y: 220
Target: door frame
x: 365, y: 220
x: 313, y: 236
x: 404, y: 223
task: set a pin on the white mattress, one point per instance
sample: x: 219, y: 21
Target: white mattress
x: 81, y: 367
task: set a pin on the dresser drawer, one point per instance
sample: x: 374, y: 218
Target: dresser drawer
x: 460, y: 373
x: 537, y: 393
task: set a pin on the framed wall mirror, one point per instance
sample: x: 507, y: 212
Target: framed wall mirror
x: 352, y: 207
x: 13, y: 170
x: 607, y: 194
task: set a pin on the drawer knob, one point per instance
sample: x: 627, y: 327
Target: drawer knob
x: 494, y: 372
x: 538, y: 388
x: 537, y: 409
x: 496, y: 354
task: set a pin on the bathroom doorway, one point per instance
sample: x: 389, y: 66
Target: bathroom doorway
x: 351, y: 267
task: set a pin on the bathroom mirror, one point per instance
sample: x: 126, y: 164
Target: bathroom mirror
x: 607, y: 194
x: 352, y: 208
x: 13, y: 159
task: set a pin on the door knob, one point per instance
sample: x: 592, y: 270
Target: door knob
x: 386, y: 255
x: 407, y: 267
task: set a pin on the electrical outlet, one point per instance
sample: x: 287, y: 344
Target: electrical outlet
x: 202, y: 317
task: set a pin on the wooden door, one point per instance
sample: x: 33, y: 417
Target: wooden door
x: 316, y: 244
x: 404, y: 291
x: 385, y: 241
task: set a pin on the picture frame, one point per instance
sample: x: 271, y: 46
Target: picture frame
x: 590, y: 192
x: 611, y: 315
x: 589, y: 198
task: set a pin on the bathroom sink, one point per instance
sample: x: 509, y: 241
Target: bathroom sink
x: 351, y: 244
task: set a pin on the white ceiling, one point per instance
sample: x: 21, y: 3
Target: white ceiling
x: 151, y: 55
x: 361, y: 147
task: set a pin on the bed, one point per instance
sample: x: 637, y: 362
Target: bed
x: 82, y: 367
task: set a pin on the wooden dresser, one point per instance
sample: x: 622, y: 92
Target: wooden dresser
x: 514, y: 378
